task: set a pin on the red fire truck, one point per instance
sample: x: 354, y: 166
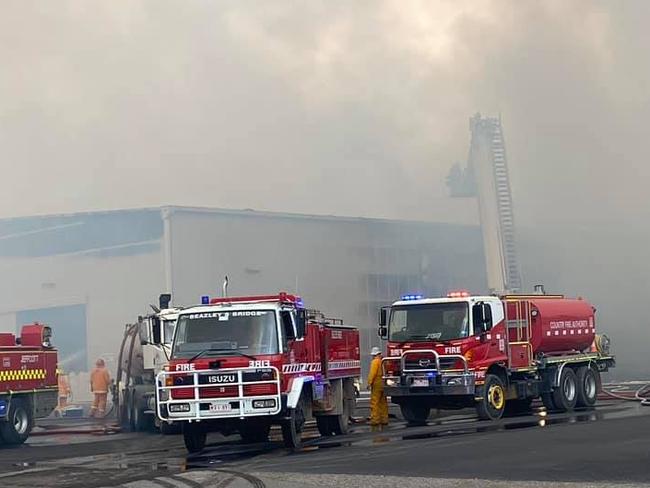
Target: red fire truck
x: 494, y: 353
x: 28, y: 382
x: 244, y: 363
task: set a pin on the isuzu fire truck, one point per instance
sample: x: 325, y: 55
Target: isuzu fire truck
x: 496, y: 353
x: 245, y: 363
x: 28, y: 381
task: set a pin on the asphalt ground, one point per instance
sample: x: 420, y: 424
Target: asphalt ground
x: 603, y: 447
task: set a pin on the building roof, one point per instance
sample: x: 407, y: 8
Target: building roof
x: 132, y: 231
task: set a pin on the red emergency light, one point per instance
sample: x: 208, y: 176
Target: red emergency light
x: 458, y: 294
x: 282, y: 297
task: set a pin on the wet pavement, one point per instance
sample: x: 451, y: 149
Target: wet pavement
x: 610, y: 443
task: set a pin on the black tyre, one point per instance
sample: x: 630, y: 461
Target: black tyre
x: 549, y: 403
x: 518, y: 406
x: 324, y: 425
x: 493, y: 401
x: 170, y: 429
x: 565, y: 395
x: 252, y: 432
x: 139, y: 421
x: 19, y: 423
x: 587, y: 386
x: 340, y: 424
x: 194, y: 437
x: 292, y: 428
x: 415, y: 413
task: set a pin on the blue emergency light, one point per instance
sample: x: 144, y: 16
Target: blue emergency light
x: 205, y: 300
x: 3, y: 408
x: 411, y: 297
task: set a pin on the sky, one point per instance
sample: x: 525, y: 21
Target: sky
x: 332, y: 107
x: 337, y: 107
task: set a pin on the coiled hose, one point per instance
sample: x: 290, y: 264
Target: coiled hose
x: 621, y: 391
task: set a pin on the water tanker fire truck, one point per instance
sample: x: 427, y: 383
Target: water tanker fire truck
x: 245, y: 363
x: 145, y: 351
x: 495, y: 353
x: 28, y: 381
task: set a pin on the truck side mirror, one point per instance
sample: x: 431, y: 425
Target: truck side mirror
x: 156, y: 330
x: 383, y: 316
x: 301, y: 323
x: 382, y: 331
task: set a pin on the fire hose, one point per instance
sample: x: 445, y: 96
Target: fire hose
x: 621, y: 391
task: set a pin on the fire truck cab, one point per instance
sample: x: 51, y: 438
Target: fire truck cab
x: 491, y: 352
x: 243, y: 364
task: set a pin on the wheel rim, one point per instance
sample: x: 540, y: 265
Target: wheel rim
x: 496, y: 397
x: 21, y: 421
x: 590, y: 386
x: 569, y: 389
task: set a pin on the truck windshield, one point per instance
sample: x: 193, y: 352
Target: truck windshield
x: 252, y: 332
x: 429, y: 322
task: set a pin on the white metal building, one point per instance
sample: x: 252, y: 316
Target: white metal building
x: 88, y: 274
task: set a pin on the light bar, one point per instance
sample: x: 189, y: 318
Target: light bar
x: 458, y: 294
x: 411, y: 297
x: 205, y: 300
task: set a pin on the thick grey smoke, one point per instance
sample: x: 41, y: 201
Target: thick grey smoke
x: 354, y: 108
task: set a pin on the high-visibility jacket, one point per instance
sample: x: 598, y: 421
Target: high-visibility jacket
x: 100, y: 379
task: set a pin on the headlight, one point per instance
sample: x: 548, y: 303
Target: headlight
x: 455, y: 381
x: 390, y: 382
x: 151, y: 403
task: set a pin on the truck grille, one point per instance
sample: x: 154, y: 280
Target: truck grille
x: 219, y: 392
x: 445, y: 363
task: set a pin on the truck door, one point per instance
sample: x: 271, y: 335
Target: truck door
x: 294, y: 346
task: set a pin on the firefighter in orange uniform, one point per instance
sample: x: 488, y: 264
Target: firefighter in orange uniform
x: 100, y: 380
x: 378, y: 402
x: 64, y: 390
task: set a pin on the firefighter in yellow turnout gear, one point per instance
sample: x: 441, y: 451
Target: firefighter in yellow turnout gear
x: 378, y: 402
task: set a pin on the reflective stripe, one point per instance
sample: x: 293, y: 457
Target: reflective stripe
x: 22, y: 374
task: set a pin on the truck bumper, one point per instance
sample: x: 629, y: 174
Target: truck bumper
x: 440, y: 385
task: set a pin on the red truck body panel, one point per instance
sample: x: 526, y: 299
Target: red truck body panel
x: 560, y: 325
x: 28, y: 366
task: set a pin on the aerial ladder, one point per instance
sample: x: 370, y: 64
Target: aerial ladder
x: 485, y: 177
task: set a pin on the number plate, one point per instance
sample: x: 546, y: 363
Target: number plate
x: 420, y: 382
x: 220, y: 407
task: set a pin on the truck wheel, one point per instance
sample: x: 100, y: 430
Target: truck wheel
x: 518, y: 406
x: 194, y: 437
x: 587, y: 387
x: 493, y: 400
x: 340, y: 425
x: 252, y: 432
x: 415, y: 413
x: 292, y: 428
x: 549, y: 403
x: 324, y: 425
x: 140, y: 421
x: 19, y: 423
x: 170, y: 429
x: 565, y: 395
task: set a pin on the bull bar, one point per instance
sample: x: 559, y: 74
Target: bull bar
x: 197, y: 408
x: 427, y: 381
